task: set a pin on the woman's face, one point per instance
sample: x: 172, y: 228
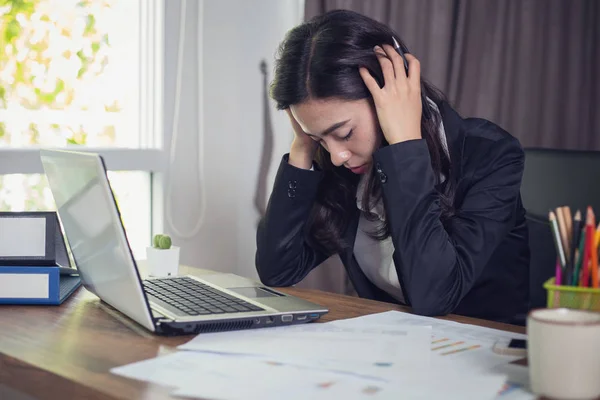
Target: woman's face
x: 348, y: 130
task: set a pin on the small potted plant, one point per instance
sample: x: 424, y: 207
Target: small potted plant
x: 163, y: 258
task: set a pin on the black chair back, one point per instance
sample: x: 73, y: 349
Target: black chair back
x: 554, y: 178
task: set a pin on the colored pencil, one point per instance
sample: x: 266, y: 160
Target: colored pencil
x: 569, y: 221
x: 558, y: 281
x: 593, y: 251
x: 579, y: 257
x: 557, y: 239
x: 598, y: 240
x: 589, y: 237
x: 576, y: 236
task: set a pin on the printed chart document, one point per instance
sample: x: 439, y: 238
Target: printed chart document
x: 517, y: 386
x: 226, y: 376
x: 382, y: 356
x: 460, y: 346
x: 388, y: 346
x: 452, y: 343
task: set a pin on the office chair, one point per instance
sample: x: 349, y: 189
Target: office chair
x: 554, y: 178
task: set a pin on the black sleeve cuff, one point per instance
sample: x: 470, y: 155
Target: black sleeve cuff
x: 296, y: 183
x: 406, y: 163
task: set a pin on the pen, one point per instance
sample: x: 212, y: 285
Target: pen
x: 425, y: 107
x: 399, y: 50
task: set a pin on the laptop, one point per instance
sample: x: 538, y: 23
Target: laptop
x: 169, y: 306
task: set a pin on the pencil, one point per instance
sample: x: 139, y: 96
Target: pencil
x: 557, y: 239
x: 576, y: 235
x: 598, y: 239
x: 569, y: 229
x: 589, y: 237
x: 593, y: 251
x: 569, y: 221
x: 558, y: 281
x: 598, y: 248
x: 579, y: 257
x: 562, y: 228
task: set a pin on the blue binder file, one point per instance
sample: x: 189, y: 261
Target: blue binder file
x: 36, y: 285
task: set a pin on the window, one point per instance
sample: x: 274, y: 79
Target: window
x: 82, y: 75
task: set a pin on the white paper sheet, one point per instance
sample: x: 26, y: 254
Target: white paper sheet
x: 211, y: 375
x: 439, y: 326
x: 232, y: 377
x: 338, y: 345
x: 515, y: 392
x: 517, y: 382
x: 294, y: 387
x: 379, y: 356
x: 453, y: 344
x: 174, y: 370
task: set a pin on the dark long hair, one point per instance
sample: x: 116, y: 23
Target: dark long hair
x: 320, y: 59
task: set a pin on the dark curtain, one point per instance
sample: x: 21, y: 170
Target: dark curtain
x: 530, y: 66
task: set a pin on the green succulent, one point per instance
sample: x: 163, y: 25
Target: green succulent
x: 161, y: 241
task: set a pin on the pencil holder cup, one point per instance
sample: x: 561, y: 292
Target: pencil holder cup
x: 573, y: 297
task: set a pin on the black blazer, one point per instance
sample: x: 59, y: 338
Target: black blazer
x: 476, y: 264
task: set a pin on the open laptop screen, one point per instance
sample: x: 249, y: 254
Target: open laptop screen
x: 94, y: 230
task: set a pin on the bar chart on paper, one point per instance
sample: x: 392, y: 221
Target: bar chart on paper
x: 446, y: 346
x: 457, y: 346
x: 452, y: 343
x: 462, y: 351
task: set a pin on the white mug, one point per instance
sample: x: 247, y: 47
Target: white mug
x: 563, y: 353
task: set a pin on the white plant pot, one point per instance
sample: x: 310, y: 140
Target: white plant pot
x: 163, y: 262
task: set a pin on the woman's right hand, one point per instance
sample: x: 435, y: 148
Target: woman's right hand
x: 303, y: 147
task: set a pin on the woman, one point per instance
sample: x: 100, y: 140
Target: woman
x: 422, y: 206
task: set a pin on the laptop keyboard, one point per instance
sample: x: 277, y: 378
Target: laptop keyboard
x: 191, y: 297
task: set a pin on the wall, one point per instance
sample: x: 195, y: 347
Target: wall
x: 235, y: 36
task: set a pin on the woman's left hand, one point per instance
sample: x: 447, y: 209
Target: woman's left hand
x: 398, y: 102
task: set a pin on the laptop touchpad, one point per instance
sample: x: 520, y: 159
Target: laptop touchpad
x: 254, y: 292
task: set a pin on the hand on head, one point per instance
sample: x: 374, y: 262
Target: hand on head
x: 398, y: 102
x: 303, y: 147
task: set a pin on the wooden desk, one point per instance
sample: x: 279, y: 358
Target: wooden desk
x: 66, y: 352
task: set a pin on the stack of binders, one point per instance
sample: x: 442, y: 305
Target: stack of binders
x: 34, y: 263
